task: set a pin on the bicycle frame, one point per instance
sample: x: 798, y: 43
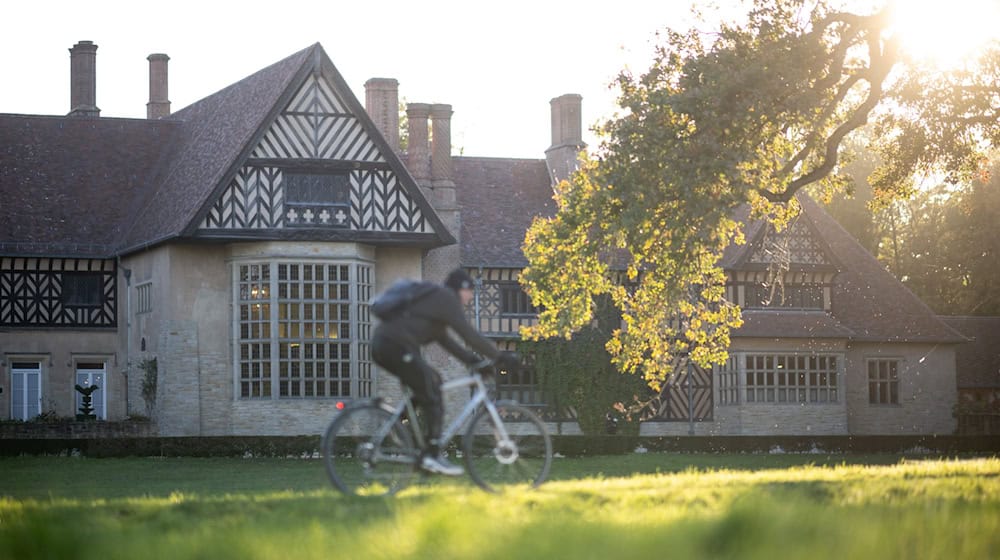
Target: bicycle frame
x: 386, y: 441
x: 480, y: 396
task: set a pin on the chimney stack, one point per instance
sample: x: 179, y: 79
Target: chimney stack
x: 418, y: 155
x: 159, y: 105
x: 83, y: 80
x: 567, y: 136
x: 441, y: 166
x: 382, y: 104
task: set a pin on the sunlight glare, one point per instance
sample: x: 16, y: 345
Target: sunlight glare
x: 946, y: 33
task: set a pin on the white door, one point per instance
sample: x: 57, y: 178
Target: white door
x: 90, y: 374
x: 26, y: 397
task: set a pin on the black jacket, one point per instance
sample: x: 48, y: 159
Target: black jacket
x: 428, y: 319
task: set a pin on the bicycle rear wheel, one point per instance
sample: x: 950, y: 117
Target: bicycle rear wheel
x: 523, y: 458
x: 364, y: 455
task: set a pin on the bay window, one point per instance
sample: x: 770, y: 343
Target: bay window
x: 302, y: 329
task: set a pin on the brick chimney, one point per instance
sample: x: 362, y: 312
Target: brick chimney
x: 418, y: 157
x: 159, y: 105
x: 83, y: 80
x: 441, y: 166
x: 382, y: 104
x: 567, y: 136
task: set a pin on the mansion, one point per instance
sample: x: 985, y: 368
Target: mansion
x: 231, y: 248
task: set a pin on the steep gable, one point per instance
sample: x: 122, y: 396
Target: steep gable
x: 867, y: 302
x: 798, y: 246
x: 318, y: 168
x: 215, y: 131
x: 286, y: 153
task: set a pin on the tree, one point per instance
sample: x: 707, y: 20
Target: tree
x: 946, y: 248
x: 748, y: 115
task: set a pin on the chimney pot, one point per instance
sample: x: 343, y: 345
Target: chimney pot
x: 159, y: 103
x: 441, y: 165
x: 418, y: 152
x: 567, y: 136
x: 567, y: 127
x: 83, y: 80
x: 382, y: 104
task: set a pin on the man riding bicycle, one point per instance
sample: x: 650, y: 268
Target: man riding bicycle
x: 396, y: 345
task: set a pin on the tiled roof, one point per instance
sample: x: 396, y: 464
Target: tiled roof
x: 868, y: 299
x: 977, y: 362
x: 102, y: 187
x: 791, y: 324
x: 68, y: 183
x: 216, y: 129
x: 499, y: 198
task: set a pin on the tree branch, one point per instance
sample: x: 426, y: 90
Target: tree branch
x: 882, y: 61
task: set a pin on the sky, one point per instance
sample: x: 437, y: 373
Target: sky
x: 497, y: 63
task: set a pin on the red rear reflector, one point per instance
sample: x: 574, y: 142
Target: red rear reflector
x: 340, y: 405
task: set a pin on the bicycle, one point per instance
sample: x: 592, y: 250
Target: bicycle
x: 372, y: 448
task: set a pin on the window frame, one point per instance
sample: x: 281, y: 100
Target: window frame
x: 512, y: 292
x: 17, y: 368
x: 94, y: 293
x: 100, y: 396
x: 802, y: 378
x: 788, y: 297
x: 273, y: 359
x: 144, y: 297
x: 886, y: 390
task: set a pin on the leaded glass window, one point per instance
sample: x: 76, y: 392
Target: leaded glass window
x: 303, y: 329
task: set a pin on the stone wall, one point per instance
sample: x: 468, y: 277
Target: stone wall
x: 927, y: 390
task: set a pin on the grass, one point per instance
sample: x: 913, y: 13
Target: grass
x: 631, y: 506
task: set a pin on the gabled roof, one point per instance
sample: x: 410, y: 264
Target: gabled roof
x: 867, y: 301
x: 499, y: 198
x: 216, y: 130
x: 101, y: 187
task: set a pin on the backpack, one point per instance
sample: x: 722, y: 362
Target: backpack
x: 397, y: 299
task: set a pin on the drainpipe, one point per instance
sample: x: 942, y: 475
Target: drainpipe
x: 479, y: 286
x: 127, y: 272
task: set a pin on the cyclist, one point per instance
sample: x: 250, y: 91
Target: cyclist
x: 396, y: 345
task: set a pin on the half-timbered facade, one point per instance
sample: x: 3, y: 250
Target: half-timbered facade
x: 239, y: 240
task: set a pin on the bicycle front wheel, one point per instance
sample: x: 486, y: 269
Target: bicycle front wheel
x: 521, y: 458
x: 368, y: 453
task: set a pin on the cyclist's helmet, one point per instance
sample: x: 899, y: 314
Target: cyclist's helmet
x: 459, y: 279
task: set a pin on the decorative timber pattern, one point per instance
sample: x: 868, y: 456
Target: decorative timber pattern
x: 316, y: 125
x: 502, y: 305
x: 49, y: 292
x: 253, y: 200
x: 379, y: 203
x: 797, y: 244
x: 686, y: 397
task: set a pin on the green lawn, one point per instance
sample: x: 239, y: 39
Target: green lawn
x: 617, y: 507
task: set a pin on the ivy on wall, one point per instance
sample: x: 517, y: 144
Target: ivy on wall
x: 149, y: 378
x: 578, y: 373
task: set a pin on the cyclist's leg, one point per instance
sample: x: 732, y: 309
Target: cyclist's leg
x: 423, y: 381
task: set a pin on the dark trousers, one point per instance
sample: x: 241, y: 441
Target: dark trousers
x: 422, y: 380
